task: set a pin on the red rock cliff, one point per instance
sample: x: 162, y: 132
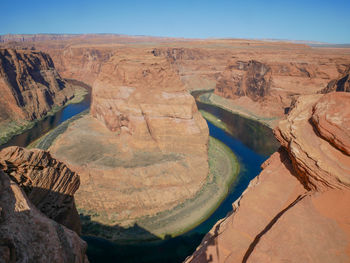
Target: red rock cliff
x: 29, y: 85
x: 297, y: 209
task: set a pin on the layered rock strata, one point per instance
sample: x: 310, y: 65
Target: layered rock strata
x: 34, y: 187
x: 29, y: 85
x: 143, y: 149
x: 48, y: 183
x: 296, y: 210
x: 254, y: 82
x: 295, y: 69
x: 340, y: 84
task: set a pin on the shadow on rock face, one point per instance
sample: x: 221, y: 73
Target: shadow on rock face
x: 144, y: 248
x: 22, y: 224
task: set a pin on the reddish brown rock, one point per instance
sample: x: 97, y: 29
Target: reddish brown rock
x: 48, y: 183
x: 296, y: 210
x: 29, y: 85
x: 295, y: 69
x: 143, y: 149
x: 254, y: 81
x: 340, y: 84
x: 331, y: 118
x: 27, y: 235
x: 316, y: 161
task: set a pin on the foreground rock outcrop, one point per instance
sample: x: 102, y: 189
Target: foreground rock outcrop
x: 297, y: 209
x: 34, y: 187
x: 30, y: 87
x: 48, y: 183
x: 143, y: 149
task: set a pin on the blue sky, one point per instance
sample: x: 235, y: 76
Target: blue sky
x: 325, y: 21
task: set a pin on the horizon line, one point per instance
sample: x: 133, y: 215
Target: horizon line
x: 295, y: 41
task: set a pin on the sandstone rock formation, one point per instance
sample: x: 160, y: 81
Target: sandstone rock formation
x: 254, y: 82
x: 296, y: 210
x: 340, y: 84
x: 81, y: 62
x: 143, y: 149
x: 295, y: 69
x: 30, y: 85
x: 285, y: 71
x: 318, y: 163
x: 26, y: 235
x: 48, y: 183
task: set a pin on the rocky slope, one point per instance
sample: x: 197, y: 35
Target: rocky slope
x: 143, y: 149
x: 254, y: 82
x: 296, y: 210
x: 31, y: 181
x: 48, y: 183
x: 30, y: 87
x: 340, y: 84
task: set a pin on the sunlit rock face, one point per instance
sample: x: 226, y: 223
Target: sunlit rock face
x: 296, y: 210
x: 143, y: 148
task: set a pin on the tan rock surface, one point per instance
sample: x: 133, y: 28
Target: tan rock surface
x: 318, y: 163
x: 146, y: 149
x: 332, y: 120
x: 48, y: 183
x: 27, y: 235
x: 296, y: 210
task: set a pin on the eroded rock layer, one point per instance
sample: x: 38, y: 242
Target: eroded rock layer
x: 29, y: 85
x: 27, y: 235
x: 48, y: 183
x: 296, y: 210
x: 283, y: 70
x: 340, y: 84
x: 143, y: 149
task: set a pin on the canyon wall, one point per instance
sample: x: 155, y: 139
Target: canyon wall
x: 254, y: 78
x: 36, y: 198
x: 234, y: 69
x: 342, y: 83
x: 29, y: 85
x: 83, y: 63
x: 296, y: 210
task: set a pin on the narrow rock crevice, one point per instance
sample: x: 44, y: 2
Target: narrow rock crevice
x: 268, y: 227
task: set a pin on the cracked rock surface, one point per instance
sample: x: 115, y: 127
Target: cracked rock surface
x: 297, y: 208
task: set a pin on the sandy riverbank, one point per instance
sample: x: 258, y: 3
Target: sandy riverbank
x: 212, y: 99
